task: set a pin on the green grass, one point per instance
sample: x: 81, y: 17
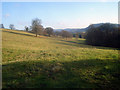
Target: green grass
x: 40, y: 62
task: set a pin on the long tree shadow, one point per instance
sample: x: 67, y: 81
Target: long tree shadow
x: 78, y: 41
x: 18, y: 33
x: 82, y: 43
x: 61, y: 74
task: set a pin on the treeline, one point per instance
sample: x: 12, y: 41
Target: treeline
x: 38, y: 29
x: 105, y: 35
x: 79, y: 35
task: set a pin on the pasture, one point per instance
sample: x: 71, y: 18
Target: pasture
x: 49, y: 62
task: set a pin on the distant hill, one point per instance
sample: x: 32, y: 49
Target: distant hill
x: 83, y: 29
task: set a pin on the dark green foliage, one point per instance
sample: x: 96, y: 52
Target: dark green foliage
x: 104, y: 35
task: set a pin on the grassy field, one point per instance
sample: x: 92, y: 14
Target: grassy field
x: 41, y: 62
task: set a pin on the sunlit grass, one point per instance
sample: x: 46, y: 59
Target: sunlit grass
x: 30, y: 61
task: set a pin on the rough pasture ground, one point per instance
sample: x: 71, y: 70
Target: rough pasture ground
x: 42, y: 62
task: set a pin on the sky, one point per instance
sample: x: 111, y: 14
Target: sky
x: 59, y: 15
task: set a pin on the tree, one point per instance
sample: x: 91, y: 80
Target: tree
x: 37, y: 28
x: 57, y: 33
x: 1, y: 26
x: 82, y: 35
x: 11, y: 26
x: 66, y: 34
x: 26, y: 28
x: 44, y: 32
x: 77, y: 35
x: 104, y: 35
x: 49, y: 31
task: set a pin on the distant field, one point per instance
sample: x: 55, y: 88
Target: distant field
x: 30, y: 61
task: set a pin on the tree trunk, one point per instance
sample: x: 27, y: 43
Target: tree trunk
x: 36, y: 34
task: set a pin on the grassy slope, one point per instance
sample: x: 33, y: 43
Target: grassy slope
x: 30, y: 61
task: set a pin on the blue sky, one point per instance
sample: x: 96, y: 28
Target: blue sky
x: 59, y: 14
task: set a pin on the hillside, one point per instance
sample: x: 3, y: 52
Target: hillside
x: 84, y: 29
x: 36, y: 62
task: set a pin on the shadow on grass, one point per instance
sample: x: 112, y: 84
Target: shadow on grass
x: 82, y: 43
x: 18, y: 33
x: 56, y: 74
x: 76, y: 42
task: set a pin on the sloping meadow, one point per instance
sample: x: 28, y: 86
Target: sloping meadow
x: 40, y: 62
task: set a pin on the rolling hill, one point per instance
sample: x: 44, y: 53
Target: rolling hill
x: 84, y: 29
x: 48, y: 62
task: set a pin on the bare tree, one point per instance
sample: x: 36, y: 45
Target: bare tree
x: 37, y: 28
x: 11, y: 26
x: 45, y: 32
x: 57, y: 33
x: 66, y: 34
x: 26, y: 28
x: 77, y: 35
x: 30, y: 28
x: 1, y: 26
x: 49, y: 31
